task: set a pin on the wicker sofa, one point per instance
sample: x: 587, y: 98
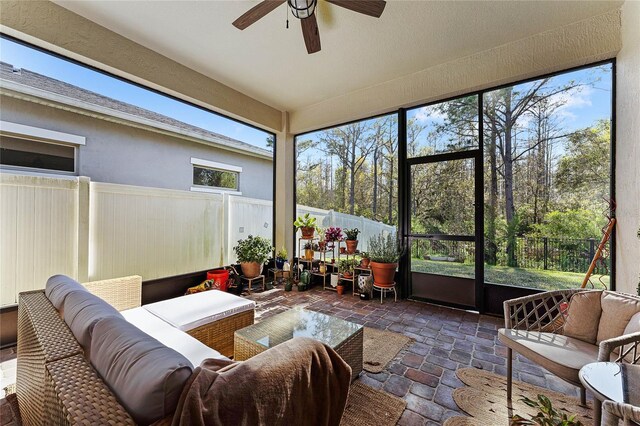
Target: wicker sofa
x: 62, y: 379
x: 564, y: 330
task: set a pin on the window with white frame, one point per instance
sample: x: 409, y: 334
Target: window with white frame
x: 26, y: 147
x: 215, y: 176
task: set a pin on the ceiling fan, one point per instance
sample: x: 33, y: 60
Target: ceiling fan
x: 304, y: 10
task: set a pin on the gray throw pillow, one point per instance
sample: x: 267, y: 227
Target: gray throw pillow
x: 146, y: 376
x: 58, y: 287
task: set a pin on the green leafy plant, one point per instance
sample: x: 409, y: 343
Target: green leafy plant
x: 306, y: 221
x: 384, y: 249
x: 253, y: 249
x: 311, y: 246
x: 346, y: 266
x: 352, y: 234
x: 547, y: 415
x: 364, y: 255
x: 282, y: 254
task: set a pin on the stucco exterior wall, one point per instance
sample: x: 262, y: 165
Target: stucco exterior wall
x: 628, y: 151
x: 116, y: 153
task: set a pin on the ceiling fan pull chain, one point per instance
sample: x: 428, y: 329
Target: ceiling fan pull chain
x: 287, y: 17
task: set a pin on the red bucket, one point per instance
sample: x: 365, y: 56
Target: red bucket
x: 220, y: 277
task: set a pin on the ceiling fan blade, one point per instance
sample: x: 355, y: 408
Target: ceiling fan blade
x: 368, y: 7
x: 311, y: 34
x: 256, y: 12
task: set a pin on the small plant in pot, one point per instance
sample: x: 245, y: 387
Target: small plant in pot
x: 309, y: 250
x: 384, y: 252
x: 331, y: 235
x: 281, y: 257
x: 307, y: 225
x: 346, y: 267
x: 252, y: 252
x: 351, y: 239
x: 365, y: 260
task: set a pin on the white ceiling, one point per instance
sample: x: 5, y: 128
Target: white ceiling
x: 268, y: 62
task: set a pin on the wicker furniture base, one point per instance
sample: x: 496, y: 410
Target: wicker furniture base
x: 343, y: 336
x: 219, y: 335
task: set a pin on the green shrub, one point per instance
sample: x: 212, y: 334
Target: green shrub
x: 384, y: 249
x: 253, y: 249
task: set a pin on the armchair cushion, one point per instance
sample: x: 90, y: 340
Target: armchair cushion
x: 617, y: 310
x: 146, y: 376
x: 59, y: 287
x: 564, y: 356
x: 583, y: 316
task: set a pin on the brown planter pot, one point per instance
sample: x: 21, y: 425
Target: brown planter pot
x: 352, y: 245
x: 308, y: 254
x: 340, y: 289
x: 307, y: 232
x: 251, y: 269
x: 383, y: 273
x: 364, y: 263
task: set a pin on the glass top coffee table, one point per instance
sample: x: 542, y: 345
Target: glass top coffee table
x: 345, y: 337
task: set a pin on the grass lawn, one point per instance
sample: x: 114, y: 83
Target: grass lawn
x: 533, y: 278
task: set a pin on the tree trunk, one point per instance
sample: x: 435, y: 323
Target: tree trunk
x: 391, y: 167
x: 352, y: 177
x: 492, y: 248
x: 510, y: 212
x: 375, y: 182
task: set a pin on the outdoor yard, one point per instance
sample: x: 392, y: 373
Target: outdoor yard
x: 534, y: 278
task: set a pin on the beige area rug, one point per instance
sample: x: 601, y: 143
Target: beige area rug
x: 367, y: 406
x: 484, y: 398
x: 380, y: 347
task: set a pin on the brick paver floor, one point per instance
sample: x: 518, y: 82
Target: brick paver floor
x: 423, y: 373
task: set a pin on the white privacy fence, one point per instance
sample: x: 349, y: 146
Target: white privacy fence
x: 93, y: 231
x: 367, y: 227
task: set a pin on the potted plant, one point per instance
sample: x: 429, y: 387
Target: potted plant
x: 547, y: 414
x: 307, y: 225
x: 331, y: 235
x: 384, y: 253
x: 351, y: 239
x: 365, y: 260
x: 340, y: 288
x: 305, y: 280
x: 288, y: 284
x: 322, y: 243
x: 346, y: 267
x: 252, y: 252
x: 309, y: 250
x: 281, y: 257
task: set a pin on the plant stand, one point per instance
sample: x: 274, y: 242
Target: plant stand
x: 278, y: 274
x: 386, y: 289
x: 251, y: 280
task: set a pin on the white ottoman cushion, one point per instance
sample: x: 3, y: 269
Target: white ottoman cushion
x: 194, y: 310
x: 165, y: 333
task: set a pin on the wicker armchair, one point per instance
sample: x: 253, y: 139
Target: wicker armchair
x: 613, y: 412
x: 541, y: 315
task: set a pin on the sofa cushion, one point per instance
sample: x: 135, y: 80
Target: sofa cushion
x: 564, y: 356
x: 583, y: 316
x: 192, y: 349
x: 146, y: 376
x: 58, y: 287
x: 194, y: 310
x: 82, y: 310
x: 617, y: 310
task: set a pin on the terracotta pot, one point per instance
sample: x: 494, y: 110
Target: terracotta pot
x: 340, y: 289
x: 343, y: 250
x: 347, y: 275
x: 251, y: 269
x: 383, y: 273
x: 322, y: 245
x: 307, y: 232
x: 352, y: 245
x: 364, y: 263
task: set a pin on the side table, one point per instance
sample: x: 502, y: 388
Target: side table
x: 611, y: 381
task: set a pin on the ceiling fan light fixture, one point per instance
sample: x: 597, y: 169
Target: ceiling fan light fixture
x: 302, y: 9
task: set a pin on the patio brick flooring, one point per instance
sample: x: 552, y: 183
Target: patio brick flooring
x: 423, y: 373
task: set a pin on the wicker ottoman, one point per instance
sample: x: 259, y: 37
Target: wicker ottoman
x: 210, y: 316
x: 343, y: 336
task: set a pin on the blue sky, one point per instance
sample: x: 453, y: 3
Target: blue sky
x: 24, y: 57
